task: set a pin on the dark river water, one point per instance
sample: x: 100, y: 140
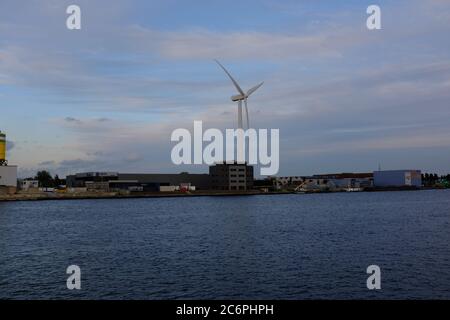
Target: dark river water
x: 258, y: 247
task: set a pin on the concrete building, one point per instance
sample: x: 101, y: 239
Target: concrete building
x: 231, y: 176
x: 8, y: 178
x: 398, y: 178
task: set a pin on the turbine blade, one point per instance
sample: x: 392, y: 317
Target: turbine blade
x: 249, y: 92
x: 232, y: 79
x: 246, y: 113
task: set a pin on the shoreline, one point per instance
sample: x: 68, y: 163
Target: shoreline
x: 101, y: 196
x: 109, y: 196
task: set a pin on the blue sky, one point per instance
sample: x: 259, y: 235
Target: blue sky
x: 108, y: 96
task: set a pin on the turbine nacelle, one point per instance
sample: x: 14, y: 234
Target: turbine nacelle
x: 238, y: 97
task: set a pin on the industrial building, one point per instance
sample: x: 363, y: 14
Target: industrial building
x: 221, y: 177
x: 234, y: 176
x: 114, y: 181
x: 398, y: 178
x: 8, y: 174
x: 346, y: 181
x: 79, y: 180
x: 200, y: 181
x: 335, y: 181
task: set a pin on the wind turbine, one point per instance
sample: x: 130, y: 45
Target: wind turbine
x: 242, y: 96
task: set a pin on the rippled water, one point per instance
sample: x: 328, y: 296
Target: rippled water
x: 259, y: 247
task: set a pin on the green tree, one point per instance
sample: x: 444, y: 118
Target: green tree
x: 435, y: 178
x: 57, y: 181
x: 45, y: 179
x: 426, y: 179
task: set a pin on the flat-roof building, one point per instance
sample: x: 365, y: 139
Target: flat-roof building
x: 200, y: 181
x: 149, y: 182
x: 398, y: 178
x: 234, y: 176
x: 8, y: 179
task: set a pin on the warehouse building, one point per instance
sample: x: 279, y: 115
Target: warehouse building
x: 398, y: 178
x: 79, y: 180
x: 221, y: 177
x: 113, y: 181
x: 348, y: 180
x: 200, y: 181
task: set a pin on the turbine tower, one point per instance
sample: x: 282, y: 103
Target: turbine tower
x: 242, y: 96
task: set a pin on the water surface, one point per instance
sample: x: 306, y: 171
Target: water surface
x: 258, y: 247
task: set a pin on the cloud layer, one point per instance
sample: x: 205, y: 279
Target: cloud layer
x: 107, y: 97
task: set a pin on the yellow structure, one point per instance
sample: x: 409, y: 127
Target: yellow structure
x: 2, y: 148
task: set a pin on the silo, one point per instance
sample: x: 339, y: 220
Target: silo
x: 2, y: 148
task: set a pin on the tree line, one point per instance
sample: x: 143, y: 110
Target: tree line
x: 46, y: 180
x: 433, y: 179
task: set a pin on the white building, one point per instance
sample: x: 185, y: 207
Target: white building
x: 8, y: 176
x: 8, y: 179
x: 29, y: 184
